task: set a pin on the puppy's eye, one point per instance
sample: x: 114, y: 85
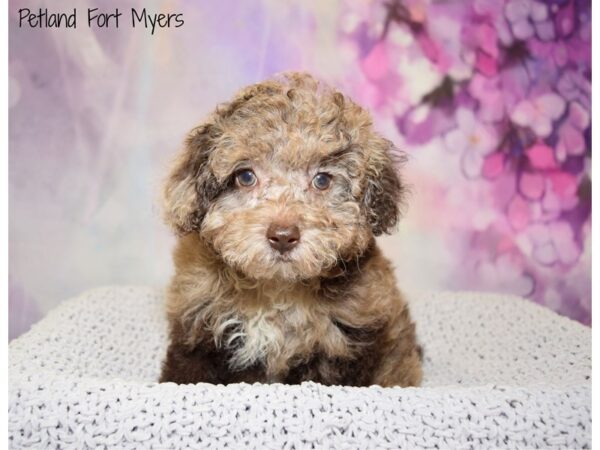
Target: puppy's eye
x: 321, y: 181
x: 246, y: 178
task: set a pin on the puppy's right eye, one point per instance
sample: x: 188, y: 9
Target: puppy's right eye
x: 246, y: 178
x: 321, y: 181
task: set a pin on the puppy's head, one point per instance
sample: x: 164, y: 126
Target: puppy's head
x: 286, y: 181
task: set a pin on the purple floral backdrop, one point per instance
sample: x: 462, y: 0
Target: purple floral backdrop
x: 503, y: 91
x: 489, y: 98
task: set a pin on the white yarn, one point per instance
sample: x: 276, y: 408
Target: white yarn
x: 500, y: 372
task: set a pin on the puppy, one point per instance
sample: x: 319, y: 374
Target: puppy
x: 276, y: 200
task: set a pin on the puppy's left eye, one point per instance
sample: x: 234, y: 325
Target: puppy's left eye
x: 246, y: 178
x: 321, y: 181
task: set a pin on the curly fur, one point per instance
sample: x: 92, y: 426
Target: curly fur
x: 329, y: 309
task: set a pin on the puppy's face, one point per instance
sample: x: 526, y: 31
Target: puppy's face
x: 286, y: 181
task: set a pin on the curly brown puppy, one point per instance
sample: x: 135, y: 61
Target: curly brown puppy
x: 276, y: 200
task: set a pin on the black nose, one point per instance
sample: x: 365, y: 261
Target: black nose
x: 283, y: 238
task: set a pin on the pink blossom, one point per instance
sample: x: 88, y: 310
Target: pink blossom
x: 571, y: 140
x: 528, y: 17
x: 473, y: 139
x: 565, y: 19
x: 564, y: 184
x: 555, y: 52
x: 420, y: 124
x: 514, y: 83
x: 517, y: 13
x: 539, y: 113
x: 417, y: 10
x: 532, y: 185
x: 560, y: 53
x: 493, y: 165
x: 486, y: 64
x: 541, y: 156
x: 493, y: 11
x: 376, y: 64
x: 487, y: 39
x: 554, y: 242
x: 560, y: 193
x: 490, y: 97
x: 506, y: 274
x: 483, y: 37
x: 573, y: 86
x: 518, y: 213
x: 451, y: 57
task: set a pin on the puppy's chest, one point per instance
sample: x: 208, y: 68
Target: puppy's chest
x: 278, y: 334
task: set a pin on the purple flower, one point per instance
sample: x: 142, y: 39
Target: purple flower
x: 474, y: 140
x: 573, y: 86
x: 491, y: 99
x: 565, y: 19
x: 507, y: 85
x: 553, y: 243
x: 505, y: 274
x: 421, y: 124
x: 493, y: 11
x: 571, y: 140
x: 539, y: 113
x: 527, y: 18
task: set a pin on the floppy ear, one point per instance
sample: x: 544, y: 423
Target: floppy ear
x: 384, y: 190
x: 191, y: 186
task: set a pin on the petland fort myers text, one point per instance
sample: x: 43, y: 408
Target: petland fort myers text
x: 95, y: 18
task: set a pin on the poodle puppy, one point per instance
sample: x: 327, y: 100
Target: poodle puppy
x: 276, y: 200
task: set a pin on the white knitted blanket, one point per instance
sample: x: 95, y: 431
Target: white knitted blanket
x: 500, y: 372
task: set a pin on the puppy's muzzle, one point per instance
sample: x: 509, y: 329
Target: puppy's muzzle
x: 283, y: 238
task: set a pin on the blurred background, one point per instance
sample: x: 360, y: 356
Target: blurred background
x: 490, y: 98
